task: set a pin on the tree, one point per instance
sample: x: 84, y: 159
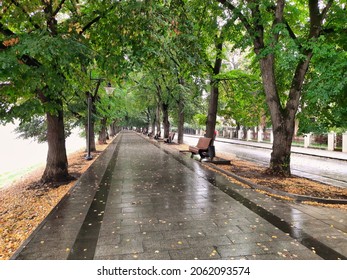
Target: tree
x: 324, y: 101
x: 165, y: 49
x: 242, y: 98
x: 35, y: 62
x: 275, y: 27
x: 213, y: 32
x: 43, y: 52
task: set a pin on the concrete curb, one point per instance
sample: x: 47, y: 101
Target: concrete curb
x: 296, y: 197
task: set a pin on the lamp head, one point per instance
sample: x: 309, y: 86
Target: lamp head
x: 109, y: 89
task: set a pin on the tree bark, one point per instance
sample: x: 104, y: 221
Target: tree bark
x: 154, y: 121
x: 212, y: 110
x: 158, y: 120
x: 213, y: 102
x: 56, y: 165
x: 166, y: 123
x: 103, y: 132
x: 112, y: 129
x: 281, y: 121
x: 180, y: 128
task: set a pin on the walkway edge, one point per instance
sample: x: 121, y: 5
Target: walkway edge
x: 108, y: 152
x: 296, y: 197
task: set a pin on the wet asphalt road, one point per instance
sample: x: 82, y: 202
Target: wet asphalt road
x: 321, y: 169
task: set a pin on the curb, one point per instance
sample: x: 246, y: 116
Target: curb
x: 296, y: 197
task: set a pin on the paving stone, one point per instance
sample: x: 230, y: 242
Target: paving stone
x: 165, y: 244
x: 128, y: 246
x: 197, y: 253
x: 137, y: 256
x: 235, y: 250
x: 208, y: 241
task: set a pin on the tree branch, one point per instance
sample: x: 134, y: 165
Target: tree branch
x: 26, y: 13
x: 89, y: 24
x: 326, y: 9
x: 278, y: 17
x: 4, y: 30
x: 317, y: 18
x: 58, y: 8
x: 96, y: 19
x: 241, y: 17
x: 290, y: 30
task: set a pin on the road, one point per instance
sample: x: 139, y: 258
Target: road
x: 322, y: 169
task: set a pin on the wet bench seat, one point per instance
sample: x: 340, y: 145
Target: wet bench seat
x: 201, y: 148
x: 170, y: 138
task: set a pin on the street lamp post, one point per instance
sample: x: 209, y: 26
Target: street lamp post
x: 109, y: 89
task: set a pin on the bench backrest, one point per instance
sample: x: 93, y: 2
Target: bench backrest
x: 203, y: 143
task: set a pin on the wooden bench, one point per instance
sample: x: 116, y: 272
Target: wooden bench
x: 201, y: 148
x: 157, y: 136
x: 170, y: 138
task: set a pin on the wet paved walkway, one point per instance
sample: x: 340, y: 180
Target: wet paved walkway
x: 138, y: 201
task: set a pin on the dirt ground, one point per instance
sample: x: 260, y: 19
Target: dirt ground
x: 23, y: 205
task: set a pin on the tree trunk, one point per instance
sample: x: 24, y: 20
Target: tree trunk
x: 158, y: 121
x: 112, y: 129
x: 281, y: 149
x: 212, y: 110
x: 154, y: 121
x: 280, y: 156
x: 180, y: 131
x: 213, y: 103
x: 283, y: 119
x: 103, y: 132
x: 148, y: 117
x: 166, y: 123
x: 92, y: 125
x: 57, y: 165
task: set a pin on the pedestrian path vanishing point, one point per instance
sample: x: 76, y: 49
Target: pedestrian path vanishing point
x: 138, y: 201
